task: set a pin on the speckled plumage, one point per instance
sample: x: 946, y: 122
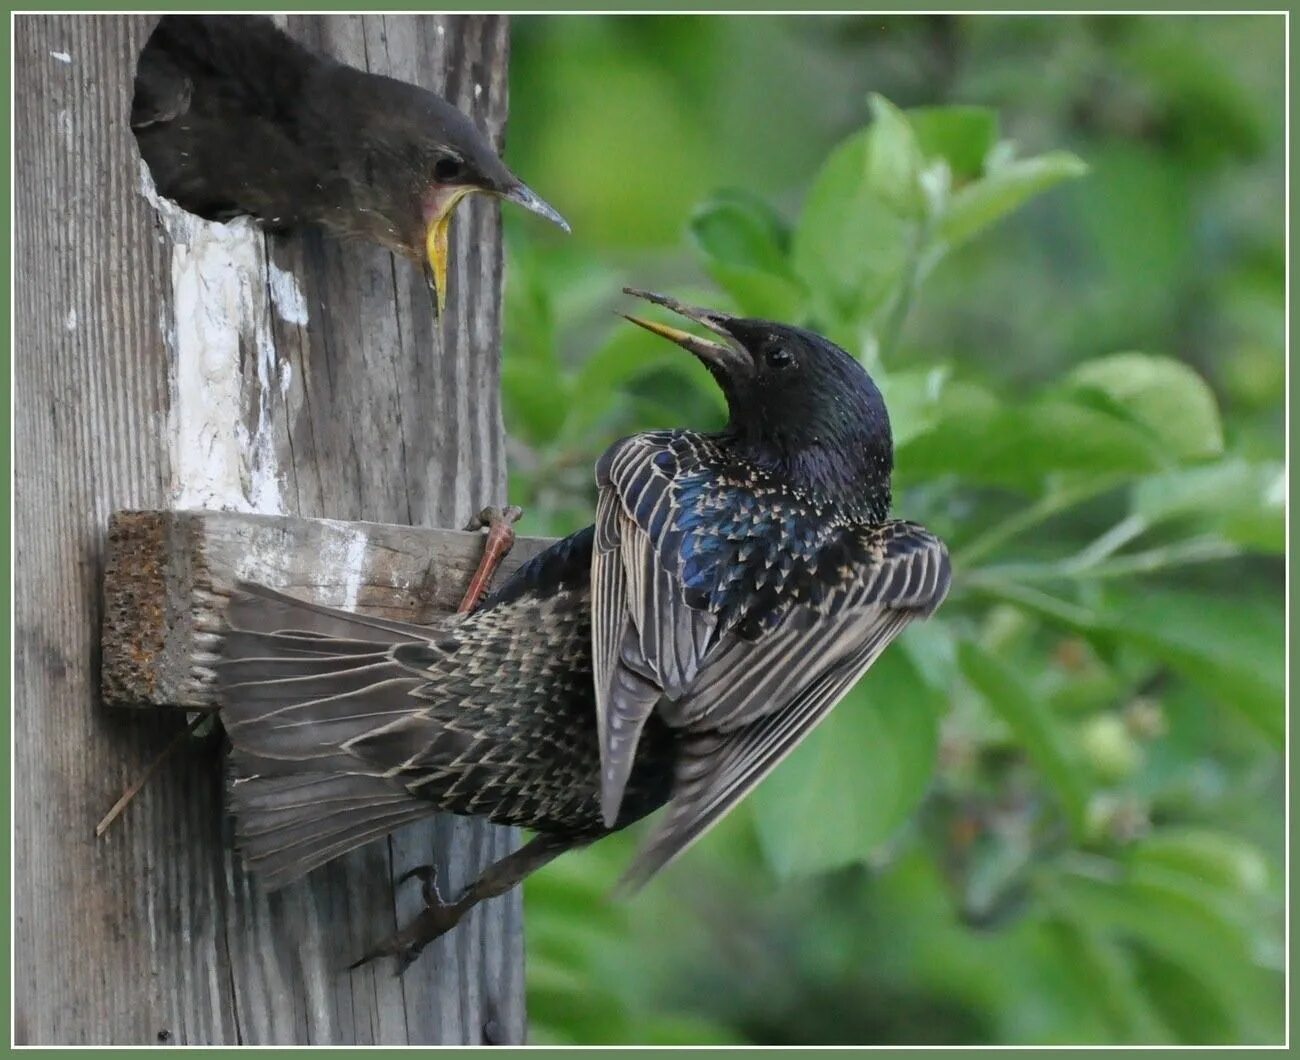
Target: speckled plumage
x: 488, y: 714
x: 751, y: 545
x: 733, y: 588
x: 743, y: 580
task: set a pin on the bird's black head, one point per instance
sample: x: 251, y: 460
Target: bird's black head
x: 799, y: 405
x: 417, y: 157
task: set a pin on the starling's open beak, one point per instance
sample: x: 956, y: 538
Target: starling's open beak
x: 728, y: 357
x: 438, y: 210
x: 522, y: 194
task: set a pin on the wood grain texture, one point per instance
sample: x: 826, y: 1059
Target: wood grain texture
x: 359, y: 411
x: 168, y: 577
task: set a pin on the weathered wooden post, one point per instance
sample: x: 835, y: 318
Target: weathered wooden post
x: 165, y: 363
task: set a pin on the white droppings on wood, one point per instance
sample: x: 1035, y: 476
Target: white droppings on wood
x: 65, y: 127
x: 220, y: 307
x: 478, y: 91
x: 286, y: 295
x: 70, y: 321
x: 61, y: 57
x: 345, y: 557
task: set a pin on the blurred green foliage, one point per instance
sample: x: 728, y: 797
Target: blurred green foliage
x: 1054, y: 813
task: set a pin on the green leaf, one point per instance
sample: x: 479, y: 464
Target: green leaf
x: 1164, y: 395
x: 1112, y: 980
x: 1180, y: 924
x: 1210, y: 858
x: 741, y: 229
x: 745, y: 246
x: 1243, y: 501
x: 962, y: 136
x: 856, y: 777
x: 986, y: 201
x: 1030, y: 718
x: 1183, y: 1000
x: 1019, y: 445
x: 932, y: 649
x: 894, y: 159
x: 1127, y: 414
x: 855, y: 237
x: 1231, y: 647
x: 761, y: 294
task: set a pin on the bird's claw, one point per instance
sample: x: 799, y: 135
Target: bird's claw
x: 428, y: 877
x: 500, y: 523
x: 437, y: 918
x: 492, y: 517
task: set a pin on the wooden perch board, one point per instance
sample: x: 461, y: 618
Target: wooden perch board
x: 168, y: 575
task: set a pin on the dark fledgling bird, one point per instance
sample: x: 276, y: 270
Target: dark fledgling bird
x: 734, y: 587
x: 235, y: 118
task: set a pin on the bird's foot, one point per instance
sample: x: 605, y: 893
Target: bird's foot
x: 437, y: 918
x: 440, y: 916
x: 500, y: 524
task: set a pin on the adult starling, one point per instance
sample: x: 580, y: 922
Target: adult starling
x: 234, y: 118
x: 733, y: 588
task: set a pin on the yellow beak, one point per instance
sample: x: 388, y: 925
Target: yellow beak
x: 436, y: 245
x: 728, y: 356
x: 711, y: 353
x: 682, y: 338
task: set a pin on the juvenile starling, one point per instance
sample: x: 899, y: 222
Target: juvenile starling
x: 234, y: 118
x: 733, y: 588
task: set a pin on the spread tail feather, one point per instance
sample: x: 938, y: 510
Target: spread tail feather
x: 299, y: 684
x: 287, y: 826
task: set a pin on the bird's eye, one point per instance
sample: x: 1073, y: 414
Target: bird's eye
x: 779, y: 357
x: 446, y: 169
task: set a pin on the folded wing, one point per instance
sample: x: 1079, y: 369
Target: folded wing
x: 756, y: 700
x: 648, y: 642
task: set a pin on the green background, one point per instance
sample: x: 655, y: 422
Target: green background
x: 1054, y: 814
